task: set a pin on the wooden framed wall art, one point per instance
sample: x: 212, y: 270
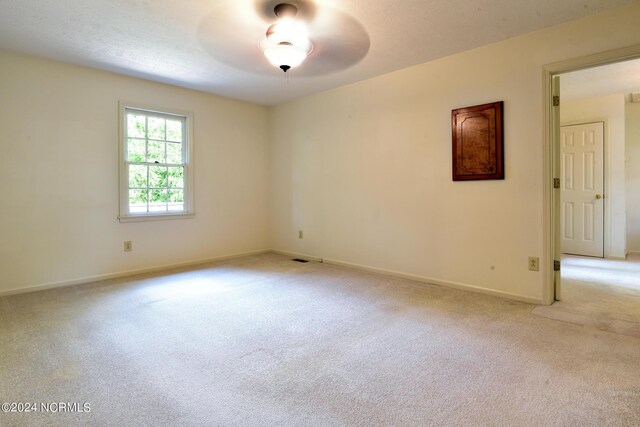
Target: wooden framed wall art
x: 477, y: 142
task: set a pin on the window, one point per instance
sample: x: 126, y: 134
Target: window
x: 155, y: 164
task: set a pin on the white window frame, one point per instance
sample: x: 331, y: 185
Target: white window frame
x: 189, y: 211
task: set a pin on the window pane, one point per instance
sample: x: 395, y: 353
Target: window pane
x: 135, y: 150
x: 137, y: 201
x: 156, y: 128
x: 158, y: 199
x: 176, y: 177
x: 156, y: 155
x: 156, y: 152
x: 176, y: 200
x: 157, y: 176
x: 174, y: 130
x: 137, y: 176
x: 174, y: 153
x: 135, y: 126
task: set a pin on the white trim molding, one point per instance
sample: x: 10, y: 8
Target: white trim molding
x: 166, y: 267
x: 414, y: 277
x: 128, y: 273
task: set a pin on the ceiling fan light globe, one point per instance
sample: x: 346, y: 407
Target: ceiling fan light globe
x: 285, y: 54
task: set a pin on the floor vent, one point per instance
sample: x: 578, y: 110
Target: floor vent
x: 299, y: 260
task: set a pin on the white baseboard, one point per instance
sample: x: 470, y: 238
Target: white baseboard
x: 100, y: 277
x: 422, y: 279
x: 376, y: 270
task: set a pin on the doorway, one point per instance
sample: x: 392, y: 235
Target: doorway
x: 599, y: 287
x: 552, y: 253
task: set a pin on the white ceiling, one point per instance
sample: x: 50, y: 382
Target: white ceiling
x: 621, y: 77
x: 211, y: 45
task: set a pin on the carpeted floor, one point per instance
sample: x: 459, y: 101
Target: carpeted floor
x: 263, y: 340
x: 600, y: 293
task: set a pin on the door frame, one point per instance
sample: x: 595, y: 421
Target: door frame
x: 551, y: 163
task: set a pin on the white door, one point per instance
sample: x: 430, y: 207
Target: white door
x: 582, y: 183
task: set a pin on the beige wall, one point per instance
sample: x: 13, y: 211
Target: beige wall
x: 610, y: 110
x: 59, y: 174
x: 632, y: 120
x: 365, y: 169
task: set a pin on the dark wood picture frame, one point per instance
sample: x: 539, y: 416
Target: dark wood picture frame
x: 478, y: 144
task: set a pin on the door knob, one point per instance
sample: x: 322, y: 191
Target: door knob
x: 599, y: 196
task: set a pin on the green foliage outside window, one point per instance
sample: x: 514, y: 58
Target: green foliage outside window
x: 155, y: 156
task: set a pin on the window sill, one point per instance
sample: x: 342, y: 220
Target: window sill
x: 155, y: 217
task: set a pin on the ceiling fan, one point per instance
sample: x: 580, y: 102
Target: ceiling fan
x: 260, y: 36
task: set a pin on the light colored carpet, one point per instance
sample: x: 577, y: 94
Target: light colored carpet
x: 600, y: 293
x: 263, y: 340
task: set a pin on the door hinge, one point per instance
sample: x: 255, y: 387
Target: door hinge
x: 556, y: 182
x: 556, y: 265
x: 556, y: 101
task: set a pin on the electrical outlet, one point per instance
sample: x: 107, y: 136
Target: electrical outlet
x: 128, y: 246
x: 534, y: 263
x: 300, y: 234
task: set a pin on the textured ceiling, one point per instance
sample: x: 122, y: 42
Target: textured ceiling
x: 211, y: 45
x: 621, y: 77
